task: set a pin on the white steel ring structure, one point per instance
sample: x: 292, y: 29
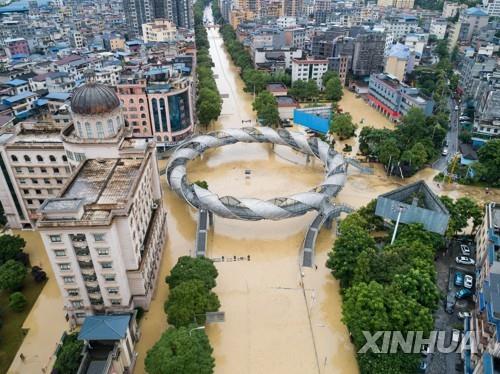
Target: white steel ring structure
x: 251, y: 208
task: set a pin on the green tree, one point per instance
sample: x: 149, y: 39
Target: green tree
x: 419, y: 286
x: 353, y: 240
x: 70, y: 355
x: 256, y: 80
x: 416, y: 157
x: 12, y: 275
x: 193, y: 268
x: 304, y: 90
x: 181, y: 351
x: 17, y: 302
x: 388, y: 151
x: 342, y: 125
x: 10, y: 247
x: 266, y: 106
x: 489, y: 160
x: 333, y: 88
x: 394, y: 363
x: 188, y: 303
x: 461, y: 211
x: 209, y: 106
x: 373, y: 221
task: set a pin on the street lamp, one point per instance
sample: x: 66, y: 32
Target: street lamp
x: 196, y: 328
x: 400, y: 208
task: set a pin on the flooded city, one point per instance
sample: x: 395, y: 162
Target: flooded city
x: 279, y: 318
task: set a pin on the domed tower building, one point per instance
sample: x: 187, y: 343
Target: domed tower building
x: 105, y: 231
x: 98, y: 128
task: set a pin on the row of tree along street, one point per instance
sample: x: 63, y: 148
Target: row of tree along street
x: 390, y: 287
x: 209, y: 101
x: 184, y: 347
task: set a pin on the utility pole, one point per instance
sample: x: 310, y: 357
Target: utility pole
x: 401, y: 208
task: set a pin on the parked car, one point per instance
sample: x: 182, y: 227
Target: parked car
x: 464, y: 118
x: 463, y: 315
x: 423, y: 366
x: 459, y: 278
x: 455, y: 335
x: 464, y: 260
x: 468, y: 281
x: 456, y: 107
x: 444, y: 152
x: 449, y: 304
x: 463, y: 293
x: 465, y: 249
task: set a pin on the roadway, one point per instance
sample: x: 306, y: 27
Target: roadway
x: 451, y: 137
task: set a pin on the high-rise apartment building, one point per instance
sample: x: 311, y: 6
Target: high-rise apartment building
x: 292, y: 8
x: 137, y: 12
x: 403, y: 4
x: 182, y: 13
x: 368, y: 56
x: 492, y: 7
x: 104, y: 232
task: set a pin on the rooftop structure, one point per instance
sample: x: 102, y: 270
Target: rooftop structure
x: 415, y: 203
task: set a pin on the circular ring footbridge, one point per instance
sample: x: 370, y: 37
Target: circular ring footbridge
x: 253, y: 208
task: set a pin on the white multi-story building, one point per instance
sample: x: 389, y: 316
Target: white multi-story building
x: 438, y: 28
x: 404, y: 4
x: 159, y: 31
x: 309, y: 69
x: 285, y: 22
x: 450, y: 9
x: 105, y: 231
x: 399, y: 26
x: 492, y: 7
x: 34, y: 168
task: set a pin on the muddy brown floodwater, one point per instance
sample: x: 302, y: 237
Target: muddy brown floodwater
x: 273, y: 324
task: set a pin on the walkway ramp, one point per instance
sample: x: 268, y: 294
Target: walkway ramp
x: 327, y: 213
x: 358, y: 165
x: 202, y: 233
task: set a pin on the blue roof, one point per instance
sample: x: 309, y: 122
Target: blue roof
x: 12, y: 99
x: 58, y: 96
x: 475, y: 11
x: 400, y: 51
x: 41, y: 102
x: 487, y: 363
x: 112, y: 327
x: 16, y: 82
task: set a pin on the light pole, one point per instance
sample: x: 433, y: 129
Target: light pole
x: 196, y: 328
x: 401, y: 208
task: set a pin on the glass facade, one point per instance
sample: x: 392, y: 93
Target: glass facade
x: 178, y: 106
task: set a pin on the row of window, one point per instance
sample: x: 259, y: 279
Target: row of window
x: 98, y: 237
x: 78, y: 304
x: 89, y: 130
x: 67, y: 266
x: 131, y: 101
x: 38, y: 191
x: 100, y: 252
x: 39, y: 158
x: 42, y: 170
x: 70, y: 279
x: 76, y: 292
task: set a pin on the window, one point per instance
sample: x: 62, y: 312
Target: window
x: 116, y: 301
x: 79, y: 127
x: 43, y: 170
x: 107, y: 265
x: 80, y: 315
x: 56, y: 170
x: 60, y: 252
x: 103, y: 251
x: 131, y: 101
x: 59, y: 181
x: 13, y: 158
x: 46, y: 181
x: 88, y: 130
x: 22, y: 181
x: 111, y: 128
x: 52, y: 158
x: 39, y: 158
x: 34, y: 181
x: 64, y: 267
x: 112, y: 290
x: 68, y: 280
x: 141, y: 101
x: 55, y: 238
x: 19, y: 170
x: 109, y: 277
x: 98, y: 237
x: 64, y: 158
x: 100, y: 130
x: 73, y: 292
x: 29, y: 201
x: 27, y: 158
x: 77, y: 304
x: 41, y: 201
x: 38, y: 192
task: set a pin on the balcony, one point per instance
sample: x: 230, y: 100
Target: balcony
x: 84, y: 251
x: 89, y: 278
x: 86, y: 264
x: 96, y: 301
x: 93, y: 289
